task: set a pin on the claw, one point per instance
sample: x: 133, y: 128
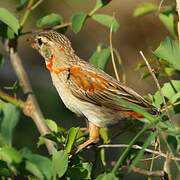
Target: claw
x: 93, y: 138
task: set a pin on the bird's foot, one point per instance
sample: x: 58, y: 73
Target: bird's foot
x: 84, y: 145
x: 93, y: 139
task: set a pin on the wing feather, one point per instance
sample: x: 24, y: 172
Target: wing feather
x: 97, y: 87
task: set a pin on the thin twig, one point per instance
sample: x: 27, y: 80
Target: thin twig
x: 157, y: 83
x: 30, y: 7
x: 171, y: 105
x: 124, y: 154
x: 36, y: 4
x: 12, y: 100
x: 26, y: 13
x: 146, y: 172
x: 151, y: 158
x: 119, y: 59
x: 137, y: 147
x: 160, y: 5
x: 156, y: 146
x: 47, y: 28
x: 167, y: 166
x: 112, y: 53
x: 36, y: 114
x: 170, y: 150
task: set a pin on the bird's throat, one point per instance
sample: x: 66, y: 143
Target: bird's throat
x: 55, y: 65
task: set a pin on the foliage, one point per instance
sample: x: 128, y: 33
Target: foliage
x: 49, y: 20
x: 145, y: 8
x: 16, y: 162
x: 169, y: 50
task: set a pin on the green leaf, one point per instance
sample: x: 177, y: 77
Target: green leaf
x: 169, y: 9
x: 172, y: 141
x: 10, y: 155
x: 4, y: 171
x: 147, y: 142
x: 34, y: 169
x: 105, y: 135
x: 38, y: 163
x: 21, y: 5
x: 49, y: 20
x: 106, y: 20
x: 145, y: 8
x: 9, y: 122
x: 71, y: 138
x: 6, y: 31
x: 1, y: 60
x: 136, y: 108
x: 41, y: 141
x: 168, y: 21
x: 9, y: 19
x: 175, y: 98
x: 169, y: 71
x: 80, y: 171
x: 60, y: 163
x: 101, y: 3
x: 107, y: 176
x: 78, y: 21
x: 169, y: 50
x: 125, y: 152
x: 170, y: 91
x: 100, y: 57
x: 145, y: 75
x: 52, y: 125
x: 88, y: 167
x: 14, y: 87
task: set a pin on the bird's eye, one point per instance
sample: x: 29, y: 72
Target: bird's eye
x: 39, y: 40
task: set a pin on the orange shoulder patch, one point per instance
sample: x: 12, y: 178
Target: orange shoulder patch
x: 86, y: 80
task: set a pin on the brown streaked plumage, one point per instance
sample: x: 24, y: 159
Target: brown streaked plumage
x: 84, y: 89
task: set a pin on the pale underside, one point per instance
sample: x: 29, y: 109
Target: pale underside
x: 101, y: 116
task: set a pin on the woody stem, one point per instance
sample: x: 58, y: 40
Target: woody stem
x: 36, y: 114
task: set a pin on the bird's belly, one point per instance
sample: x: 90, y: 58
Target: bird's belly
x: 99, y: 115
x: 70, y: 101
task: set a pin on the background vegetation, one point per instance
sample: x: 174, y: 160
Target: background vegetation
x: 149, y: 148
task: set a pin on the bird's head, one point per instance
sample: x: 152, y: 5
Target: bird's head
x: 48, y: 42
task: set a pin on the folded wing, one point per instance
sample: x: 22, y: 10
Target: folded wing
x: 97, y: 87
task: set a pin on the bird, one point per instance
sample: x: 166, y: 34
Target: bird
x: 84, y: 89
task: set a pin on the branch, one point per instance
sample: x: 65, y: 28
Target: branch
x: 119, y: 59
x: 167, y: 166
x: 137, y: 147
x: 27, y: 12
x: 30, y: 7
x: 157, y: 83
x: 146, y: 172
x: 35, y: 114
x: 36, y: 4
x: 160, y: 5
x: 112, y: 53
x: 47, y: 28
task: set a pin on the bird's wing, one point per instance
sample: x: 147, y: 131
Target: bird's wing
x: 95, y: 86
